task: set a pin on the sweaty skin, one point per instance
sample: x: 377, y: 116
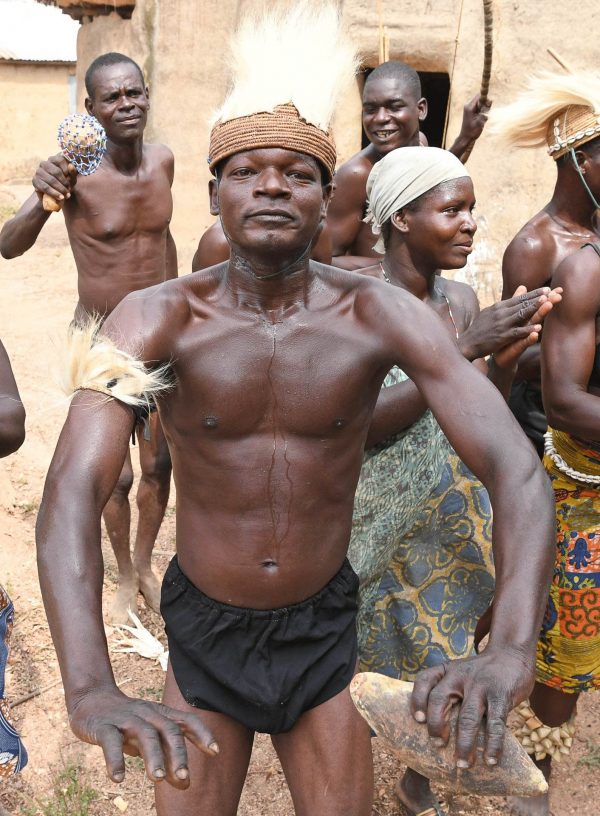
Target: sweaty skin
x: 391, y: 119
x: 559, y: 229
x: 278, y: 363
x: 117, y: 220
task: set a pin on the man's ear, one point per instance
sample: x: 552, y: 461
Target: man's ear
x: 399, y: 221
x: 147, y: 92
x: 328, y: 192
x: 213, y: 196
x: 89, y: 106
x: 582, y: 159
x: 423, y: 109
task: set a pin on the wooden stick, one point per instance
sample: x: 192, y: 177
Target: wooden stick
x: 560, y: 60
x: 35, y: 693
x: 381, y: 34
x: 488, y: 18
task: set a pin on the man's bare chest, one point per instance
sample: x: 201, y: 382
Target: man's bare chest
x: 263, y: 378
x: 113, y: 207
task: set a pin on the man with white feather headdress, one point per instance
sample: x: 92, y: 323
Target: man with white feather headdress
x: 274, y: 367
x: 562, y: 243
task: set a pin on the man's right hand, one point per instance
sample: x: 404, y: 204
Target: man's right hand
x: 123, y: 725
x: 55, y: 177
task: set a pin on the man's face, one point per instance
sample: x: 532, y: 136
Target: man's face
x: 270, y: 200
x: 119, y: 101
x: 391, y: 114
x: 440, y: 231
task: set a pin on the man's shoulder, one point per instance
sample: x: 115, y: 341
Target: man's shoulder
x: 356, y: 168
x: 534, y: 236
x: 159, y: 155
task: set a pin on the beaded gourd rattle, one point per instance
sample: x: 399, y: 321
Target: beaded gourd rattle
x: 82, y: 141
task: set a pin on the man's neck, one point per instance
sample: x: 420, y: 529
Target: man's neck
x: 571, y: 203
x: 374, y: 155
x: 269, y: 287
x: 126, y: 157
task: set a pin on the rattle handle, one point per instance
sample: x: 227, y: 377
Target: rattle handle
x: 51, y: 204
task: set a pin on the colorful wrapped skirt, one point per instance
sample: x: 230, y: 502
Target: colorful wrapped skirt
x: 421, y: 545
x: 568, y: 652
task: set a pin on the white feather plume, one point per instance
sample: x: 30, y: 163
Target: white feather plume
x: 525, y: 122
x: 290, y: 53
x: 140, y: 641
x: 93, y: 361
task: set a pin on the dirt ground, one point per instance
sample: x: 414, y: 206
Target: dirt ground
x: 65, y: 777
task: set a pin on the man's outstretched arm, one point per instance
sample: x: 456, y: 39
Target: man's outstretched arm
x: 83, y: 472
x: 485, y: 435
x: 54, y: 177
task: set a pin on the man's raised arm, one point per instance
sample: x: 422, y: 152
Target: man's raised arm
x: 83, y: 472
x: 484, y: 434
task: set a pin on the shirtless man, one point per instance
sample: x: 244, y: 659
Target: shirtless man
x: 393, y: 109
x: 559, y: 229
x: 276, y: 364
x: 118, y: 225
x: 568, y: 654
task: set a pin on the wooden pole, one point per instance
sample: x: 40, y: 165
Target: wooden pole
x: 488, y: 47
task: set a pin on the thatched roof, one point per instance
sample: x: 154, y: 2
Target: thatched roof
x: 79, y: 9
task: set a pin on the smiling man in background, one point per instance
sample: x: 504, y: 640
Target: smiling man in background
x: 392, y: 111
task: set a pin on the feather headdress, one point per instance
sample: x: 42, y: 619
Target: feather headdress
x: 289, y: 67
x: 561, y: 111
x: 92, y: 361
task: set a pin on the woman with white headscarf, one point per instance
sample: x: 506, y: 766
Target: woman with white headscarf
x: 421, y: 539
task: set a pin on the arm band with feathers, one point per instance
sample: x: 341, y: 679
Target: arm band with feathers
x: 94, y: 362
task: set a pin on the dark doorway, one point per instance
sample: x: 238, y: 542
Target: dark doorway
x: 436, y: 90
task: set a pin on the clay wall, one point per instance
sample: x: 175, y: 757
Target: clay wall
x: 35, y: 98
x: 179, y: 45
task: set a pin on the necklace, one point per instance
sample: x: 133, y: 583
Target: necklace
x: 436, y: 290
x: 384, y: 273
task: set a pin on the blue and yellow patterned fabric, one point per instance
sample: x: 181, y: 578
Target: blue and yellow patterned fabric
x: 423, y: 554
x: 13, y: 756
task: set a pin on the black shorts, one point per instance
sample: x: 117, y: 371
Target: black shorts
x: 263, y: 668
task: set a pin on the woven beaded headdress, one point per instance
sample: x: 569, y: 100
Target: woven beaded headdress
x: 289, y: 68
x: 561, y: 111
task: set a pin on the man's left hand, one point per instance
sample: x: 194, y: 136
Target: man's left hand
x: 486, y: 686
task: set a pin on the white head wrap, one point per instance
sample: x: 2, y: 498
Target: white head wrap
x: 403, y: 175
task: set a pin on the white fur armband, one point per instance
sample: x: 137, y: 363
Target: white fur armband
x: 94, y: 362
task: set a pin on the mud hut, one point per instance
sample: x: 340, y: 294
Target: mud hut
x: 179, y: 44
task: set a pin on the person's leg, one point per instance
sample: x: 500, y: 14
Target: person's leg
x: 327, y: 760
x: 117, y: 518
x: 152, y: 498
x: 553, y: 708
x: 414, y: 792
x: 215, y: 782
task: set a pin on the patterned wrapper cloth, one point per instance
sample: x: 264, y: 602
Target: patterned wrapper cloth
x: 568, y: 654
x: 13, y: 756
x: 421, y: 544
